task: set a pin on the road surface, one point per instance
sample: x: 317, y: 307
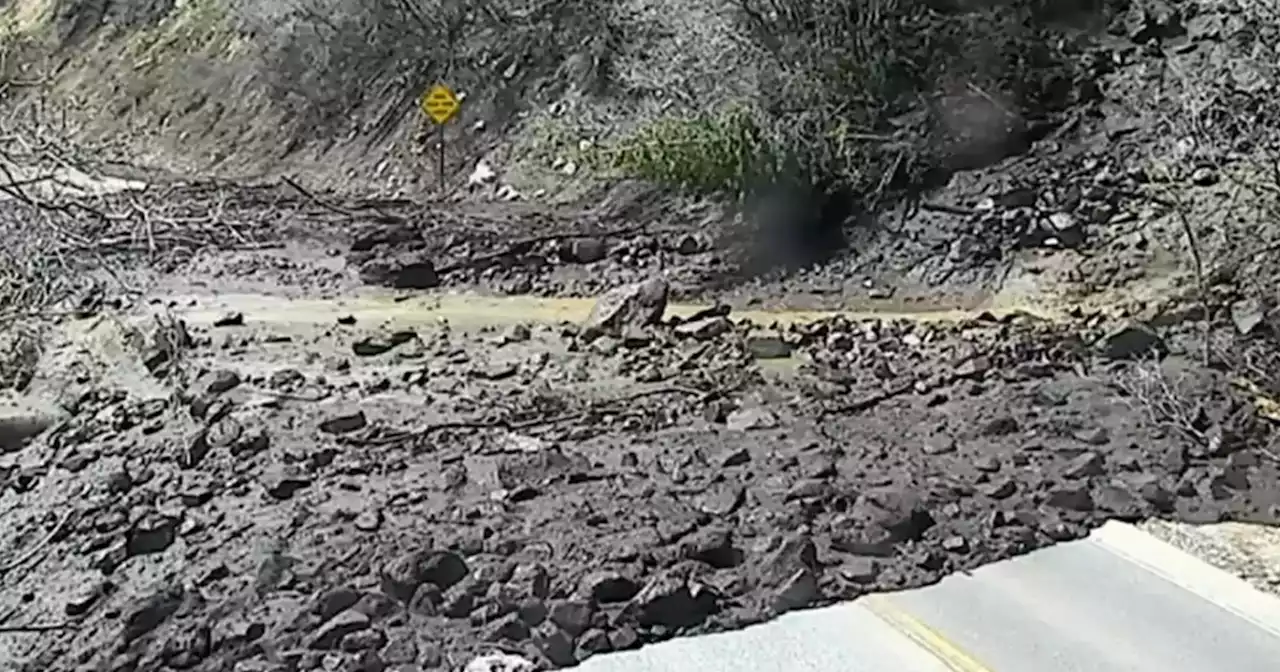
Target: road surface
x: 1119, y: 601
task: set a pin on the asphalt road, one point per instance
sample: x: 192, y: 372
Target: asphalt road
x: 1119, y: 601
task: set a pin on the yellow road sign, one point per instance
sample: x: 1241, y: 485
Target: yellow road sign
x: 440, y: 104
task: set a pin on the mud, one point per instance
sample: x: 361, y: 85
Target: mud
x: 298, y: 431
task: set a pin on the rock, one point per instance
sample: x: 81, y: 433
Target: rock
x: 372, y: 346
x: 555, y: 646
x: 1086, y: 465
x: 1247, y: 314
x: 23, y: 420
x: 584, y: 250
x: 509, y: 628
x: 150, y: 612
x: 231, y: 319
x: 940, y: 444
x: 722, y: 499
x: 572, y: 616
x: 369, y: 520
x: 400, y: 270
x: 860, y: 570
x: 335, y: 601
x: 84, y: 594
x: 401, y: 649
x: 531, y: 580
x: 712, y: 546
x: 500, y: 662
x: 223, y: 380
x: 592, y: 642
x: 343, y: 424
x: 328, y: 636
x: 1131, y: 341
x: 402, y: 576
x: 363, y: 640
x: 632, y: 306
x: 608, y: 587
x: 282, y: 481
x: 516, y: 333
x: 672, y: 602
x: 705, y: 329
x: 745, y: 419
x: 768, y: 347
x: 1120, y: 503
x: 880, y: 521
x: 797, y: 592
x: 1071, y: 497
x: 152, y: 533
x: 788, y: 555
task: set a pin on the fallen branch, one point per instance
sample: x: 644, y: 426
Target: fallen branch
x: 504, y: 424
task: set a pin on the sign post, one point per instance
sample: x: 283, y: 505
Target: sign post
x: 440, y: 104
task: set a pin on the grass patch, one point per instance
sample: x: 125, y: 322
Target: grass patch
x: 723, y: 152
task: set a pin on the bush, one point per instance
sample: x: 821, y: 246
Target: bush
x: 702, y: 153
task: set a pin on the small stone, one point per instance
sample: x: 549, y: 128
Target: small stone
x: 674, y: 603
x: 592, y: 642
x: 335, y: 601
x: 233, y: 319
x: 734, y: 457
x: 222, y: 381
x: 343, y: 424
x: 860, y: 570
x: 797, y: 591
x: 706, y: 328
x: 331, y: 633
x: 1071, y: 497
x: 149, y: 613
x: 508, y: 628
x: 516, y: 333
x: 1094, y: 436
x: 940, y: 445
x: 1002, y: 489
x: 572, y: 616
x: 768, y: 347
x: 152, y: 533
x: 369, y: 520
x: 363, y: 640
x: 84, y: 594
x: 746, y: 419
x: 1247, y: 315
x: 282, y: 481
x: 1204, y: 177
x: 1132, y: 341
x: 1086, y: 465
x: 372, y: 346
x: 608, y: 587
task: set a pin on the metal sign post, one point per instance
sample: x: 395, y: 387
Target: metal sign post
x: 441, y: 105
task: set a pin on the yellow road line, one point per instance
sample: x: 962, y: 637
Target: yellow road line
x: 923, y: 635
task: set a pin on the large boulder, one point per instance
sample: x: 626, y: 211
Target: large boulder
x: 627, y: 308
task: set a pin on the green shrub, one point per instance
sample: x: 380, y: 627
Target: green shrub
x: 701, y: 153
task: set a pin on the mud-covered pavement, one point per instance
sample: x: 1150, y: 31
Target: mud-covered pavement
x: 365, y: 483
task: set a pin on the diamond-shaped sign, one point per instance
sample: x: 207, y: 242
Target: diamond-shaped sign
x: 440, y: 104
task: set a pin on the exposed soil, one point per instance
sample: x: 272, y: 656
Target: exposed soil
x: 357, y: 484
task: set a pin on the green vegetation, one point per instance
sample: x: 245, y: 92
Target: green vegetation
x: 702, y: 153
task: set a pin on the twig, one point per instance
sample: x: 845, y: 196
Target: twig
x: 500, y: 423
x: 31, y: 552
x: 380, y: 216
x: 52, y: 627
